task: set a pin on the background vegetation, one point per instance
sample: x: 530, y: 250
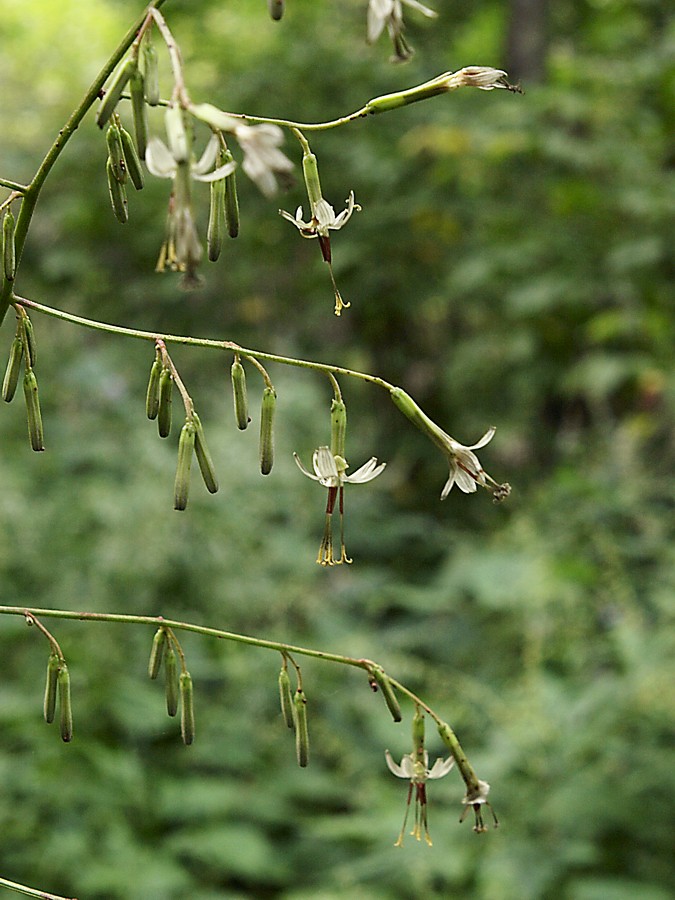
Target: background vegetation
x: 510, y: 267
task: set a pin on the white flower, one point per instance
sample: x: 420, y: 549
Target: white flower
x: 390, y: 13
x: 415, y: 768
x: 475, y: 799
x: 323, y: 218
x: 465, y: 469
x: 483, y: 77
x: 331, y: 472
x: 263, y: 160
x: 160, y: 162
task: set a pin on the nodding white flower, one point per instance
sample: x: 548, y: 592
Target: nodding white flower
x: 415, y: 768
x: 475, y: 799
x: 161, y: 162
x: 264, y: 162
x: 390, y: 13
x: 331, y: 472
x: 466, y: 471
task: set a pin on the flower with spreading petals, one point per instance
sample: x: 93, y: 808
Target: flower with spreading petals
x: 264, y: 162
x: 415, y: 768
x: 390, y: 13
x: 182, y: 249
x: 331, y: 472
x: 466, y: 471
x: 475, y: 799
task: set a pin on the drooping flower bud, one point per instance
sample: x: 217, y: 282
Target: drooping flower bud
x: 159, y: 643
x: 187, y: 709
x: 301, y: 731
x: 65, y: 706
x: 171, y: 680
x: 13, y: 370
x: 132, y: 160
x: 385, y: 685
x: 152, y: 393
x: 285, y: 697
x: 139, y: 112
x: 206, y: 466
x: 216, y: 226
x: 231, y: 199
x: 114, y: 92
x: 50, y: 687
x: 186, y: 446
x: 269, y: 400
x: 165, y: 401
x: 9, y: 245
x: 30, y: 392
x: 118, y: 195
x: 113, y: 138
x: 150, y: 72
x: 240, y: 397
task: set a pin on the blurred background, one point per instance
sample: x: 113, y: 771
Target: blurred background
x: 510, y: 267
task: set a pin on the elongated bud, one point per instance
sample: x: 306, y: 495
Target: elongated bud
x: 301, y: 731
x: 50, y: 687
x: 171, y: 680
x: 152, y: 393
x: 65, y: 706
x: 176, y: 134
x: 13, y: 370
x: 8, y: 245
x: 151, y: 73
x: 216, y: 226
x: 118, y: 195
x: 139, y: 111
x: 311, y: 172
x: 231, y: 199
x: 165, y: 401
x: 187, y: 709
x: 206, y: 466
x: 186, y: 447
x: 240, y: 397
x: 418, y: 732
x: 157, y: 652
x: 30, y: 341
x: 132, y: 160
x: 276, y: 8
x: 113, y: 138
x: 114, y: 92
x: 388, y: 693
x: 30, y: 392
x: 409, y: 408
x: 285, y: 697
x: 338, y: 427
x: 267, y: 430
x: 412, y: 95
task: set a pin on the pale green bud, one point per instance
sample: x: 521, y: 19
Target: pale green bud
x: 165, y: 402
x: 65, y: 706
x: 338, y: 427
x: 187, y: 709
x: 114, y: 92
x: 301, y: 731
x: 152, y: 393
x: 310, y: 170
x: 13, y: 370
x: 186, y: 446
x: 171, y: 680
x: 388, y: 693
x: 216, y: 226
x: 113, y: 138
x: 206, y: 466
x: 30, y: 392
x: 151, y: 73
x: 132, y: 160
x: 267, y: 430
x: 285, y: 697
x: 118, y: 194
x: 159, y: 642
x: 9, y: 245
x: 139, y: 111
x: 239, y: 393
x: 51, y: 687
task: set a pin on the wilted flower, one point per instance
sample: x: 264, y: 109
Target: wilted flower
x: 331, y: 472
x: 415, y: 767
x: 483, y: 77
x: 475, y: 799
x: 182, y: 249
x: 390, y: 13
x: 263, y: 160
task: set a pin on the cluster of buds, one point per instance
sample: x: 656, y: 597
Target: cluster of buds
x: 179, y: 691
x: 21, y: 352
x: 294, y: 710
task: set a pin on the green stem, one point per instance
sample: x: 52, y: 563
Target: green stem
x: 199, y: 342
x: 303, y: 126
x: 30, y: 892
x: 32, y: 192
x: 13, y: 185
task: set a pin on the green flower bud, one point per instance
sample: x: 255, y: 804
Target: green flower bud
x: 301, y: 732
x: 139, y: 111
x: 267, y: 430
x: 176, y: 133
x: 285, y: 697
x: 159, y: 642
x: 30, y: 392
x: 132, y: 159
x: 165, y: 401
x: 113, y: 138
x: 206, y: 466
x: 13, y: 370
x: 187, y: 709
x: 186, y: 446
x: 409, y: 408
x: 8, y: 245
x: 403, y: 98
x: 388, y: 693
x: 30, y: 341
x: 216, y: 226
x: 66, y: 719
x: 114, y: 92
x: 418, y: 732
x: 240, y: 397
x: 231, y: 199
x: 118, y: 195
x: 171, y: 680
x: 151, y: 73
x: 310, y: 170
x: 50, y: 687
x: 338, y: 427
x: 276, y: 8
x: 152, y: 393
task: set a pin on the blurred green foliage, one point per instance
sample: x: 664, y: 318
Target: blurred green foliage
x: 510, y: 267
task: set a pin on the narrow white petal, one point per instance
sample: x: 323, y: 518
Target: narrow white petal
x: 487, y: 437
x: 208, y: 157
x: 159, y: 160
x: 324, y: 464
x: 464, y: 481
x: 450, y: 482
x: 429, y: 13
x: 394, y: 768
x: 367, y: 472
x: 217, y: 174
x: 441, y: 767
x: 303, y: 469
